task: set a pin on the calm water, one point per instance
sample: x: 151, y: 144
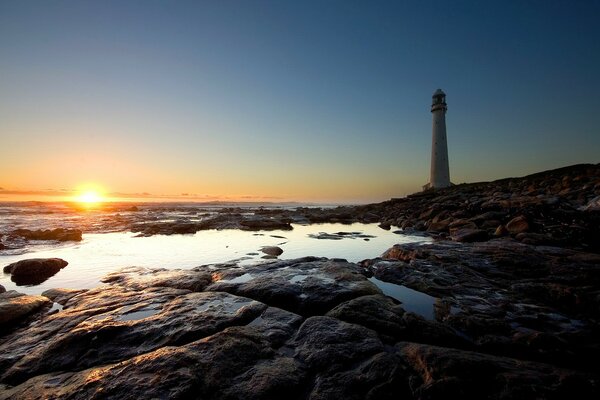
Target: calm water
x: 101, y: 253
x: 108, y: 245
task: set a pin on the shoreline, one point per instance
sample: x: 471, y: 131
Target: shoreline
x: 514, y: 273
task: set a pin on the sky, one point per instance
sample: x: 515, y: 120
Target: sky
x: 320, y: 101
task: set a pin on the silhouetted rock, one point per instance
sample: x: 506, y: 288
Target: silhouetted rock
x: 34, y: 271
x: 60, y: 234
x: 2, y: 289
x: 272, y: 250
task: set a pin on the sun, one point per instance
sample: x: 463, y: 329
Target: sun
x: 89, y: 195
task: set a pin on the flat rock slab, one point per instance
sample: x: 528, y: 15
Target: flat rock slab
x: 309, y: 286
x: 110, y: 324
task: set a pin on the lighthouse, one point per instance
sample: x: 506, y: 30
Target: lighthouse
x: 440, y: 171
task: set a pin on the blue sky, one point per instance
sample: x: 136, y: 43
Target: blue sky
x: 321, y: 101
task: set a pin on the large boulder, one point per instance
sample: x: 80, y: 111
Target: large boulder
x: 34, y: 271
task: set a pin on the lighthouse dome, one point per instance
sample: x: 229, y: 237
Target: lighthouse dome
x: 438, y: 93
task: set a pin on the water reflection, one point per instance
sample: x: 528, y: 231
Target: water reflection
x: 100, y: 253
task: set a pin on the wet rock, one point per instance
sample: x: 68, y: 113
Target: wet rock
x: 2, y: 289
x: 449, y: 373
x: 61, y: 296
x: 139, y: 278
x: 324, y: 343
x: 34, y: 271
x: 257, y: 224
x: 469, y: 235
x: 272, y: 250
x: 60, y: 234
x: 440, y: 226
x: 239, y: 362
x: 393, y: 323
x: 502, y: 307
x: 14, y: 306
x: 592, y: 205
x: 518, y: 225
x: 500, y: 231
x: 494, y: 291
x: 126, y: 323
x: 308, y: 286
x: 339, y: 235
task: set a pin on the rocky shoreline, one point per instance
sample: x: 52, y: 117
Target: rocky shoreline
x: 514, y: 276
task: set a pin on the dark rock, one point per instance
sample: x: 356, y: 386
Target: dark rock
x: 512, y: 321
x: 272, y: 250
x: 139, y: 278
x: 469, y: 235
x: 501, y: 231
x: 493, y: 291
x: 309, y: 286
x: 440, y: 226
x: 60, y: 234
x: 34, y: 271
x: 324, y: 342
x: 61, y: 296
x: 2, y: 289
x: 449, y: 373
x: 340, y: 235
x: 517, y: 225
x: 15, y: 306
x: 125, y: 323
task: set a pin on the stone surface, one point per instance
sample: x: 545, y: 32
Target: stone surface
x: 34, y: 271
x: 469, y: 235
x: 2, y: 289
x: 308, y: 286
x: 60, y: 234
x: 190, y: 334
x: 517, y: 225
x: 272, y: 250
x: 509, y: 298
x: 61, y: 296
x: 15, y: 306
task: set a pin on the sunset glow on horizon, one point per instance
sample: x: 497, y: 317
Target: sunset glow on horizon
x: 325, y: 102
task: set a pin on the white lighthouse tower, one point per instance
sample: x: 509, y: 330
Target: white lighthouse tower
x: 440, y: 172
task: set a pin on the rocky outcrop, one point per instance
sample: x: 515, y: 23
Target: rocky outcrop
x: 310, y: 328
x: 509, y: 298
x: 60, y: 234
x: 556, y: 207
x: 34, y: 271
x: 256, y: 222
x: 15, y: 306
